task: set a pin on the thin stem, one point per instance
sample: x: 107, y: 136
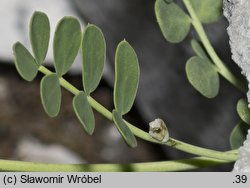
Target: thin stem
x: 178, y: 165
x: 222, y: 69
x: 144, y: 135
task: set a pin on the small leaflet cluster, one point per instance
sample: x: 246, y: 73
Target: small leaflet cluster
x: 175, y: 25
x: 202, y: 72
x: 68, y: 40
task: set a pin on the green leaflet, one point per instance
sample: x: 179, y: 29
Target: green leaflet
x: 25, y: 63
x: 93, y: 57
x: 243, y: 110
x: 207, y: 10
x: 238, y: 135
x: 198, y: 49
x: 203, y: 76
x: 126, y: 77
x: 126, y: 84
x: 66, y: 44
x: 51, y: 94
x: 124, y: 130
x: 84, y: 112
x: 39, y: 35
x: 173, y: 21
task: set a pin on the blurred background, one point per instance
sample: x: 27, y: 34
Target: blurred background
x: 27, y: 133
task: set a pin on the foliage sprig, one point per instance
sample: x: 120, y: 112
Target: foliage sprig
x: 202, y: 71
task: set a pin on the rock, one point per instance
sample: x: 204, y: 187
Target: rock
x: 238, y: 15
x: 236, y: 11
x: 243, y: 162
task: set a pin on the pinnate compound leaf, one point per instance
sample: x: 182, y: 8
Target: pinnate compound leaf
x: 51, y: 94
x: 93, y: 57
x: 84, y: 112
x: 124, y: 130
x: 173, y: 21
x: 66, y: 44
x: 39, y: 35
x: 243, y: 110
x: 203, y: 76
x: 25, y: 63
x: 126, y: 77
x: 208, y: 11
x: 238, y: 135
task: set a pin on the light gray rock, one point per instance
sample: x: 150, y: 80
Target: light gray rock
x: 243, y: 162
x: 238, y: 15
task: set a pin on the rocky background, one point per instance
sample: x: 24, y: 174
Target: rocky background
x: 26, y: 133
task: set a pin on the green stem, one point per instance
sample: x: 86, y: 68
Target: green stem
x: 178, y: 165
x: 222, y: 69
x: 144, y: 135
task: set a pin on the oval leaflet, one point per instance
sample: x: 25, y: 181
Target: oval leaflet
x: 124, y: 130
x: 93, y: 57
x: 39, y: 35
x: 25, y: 63
x: 126, y: 77
x: 66, y: 44
x: 84, y: 112
x: 173, y: 21
x: 51, y: 94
